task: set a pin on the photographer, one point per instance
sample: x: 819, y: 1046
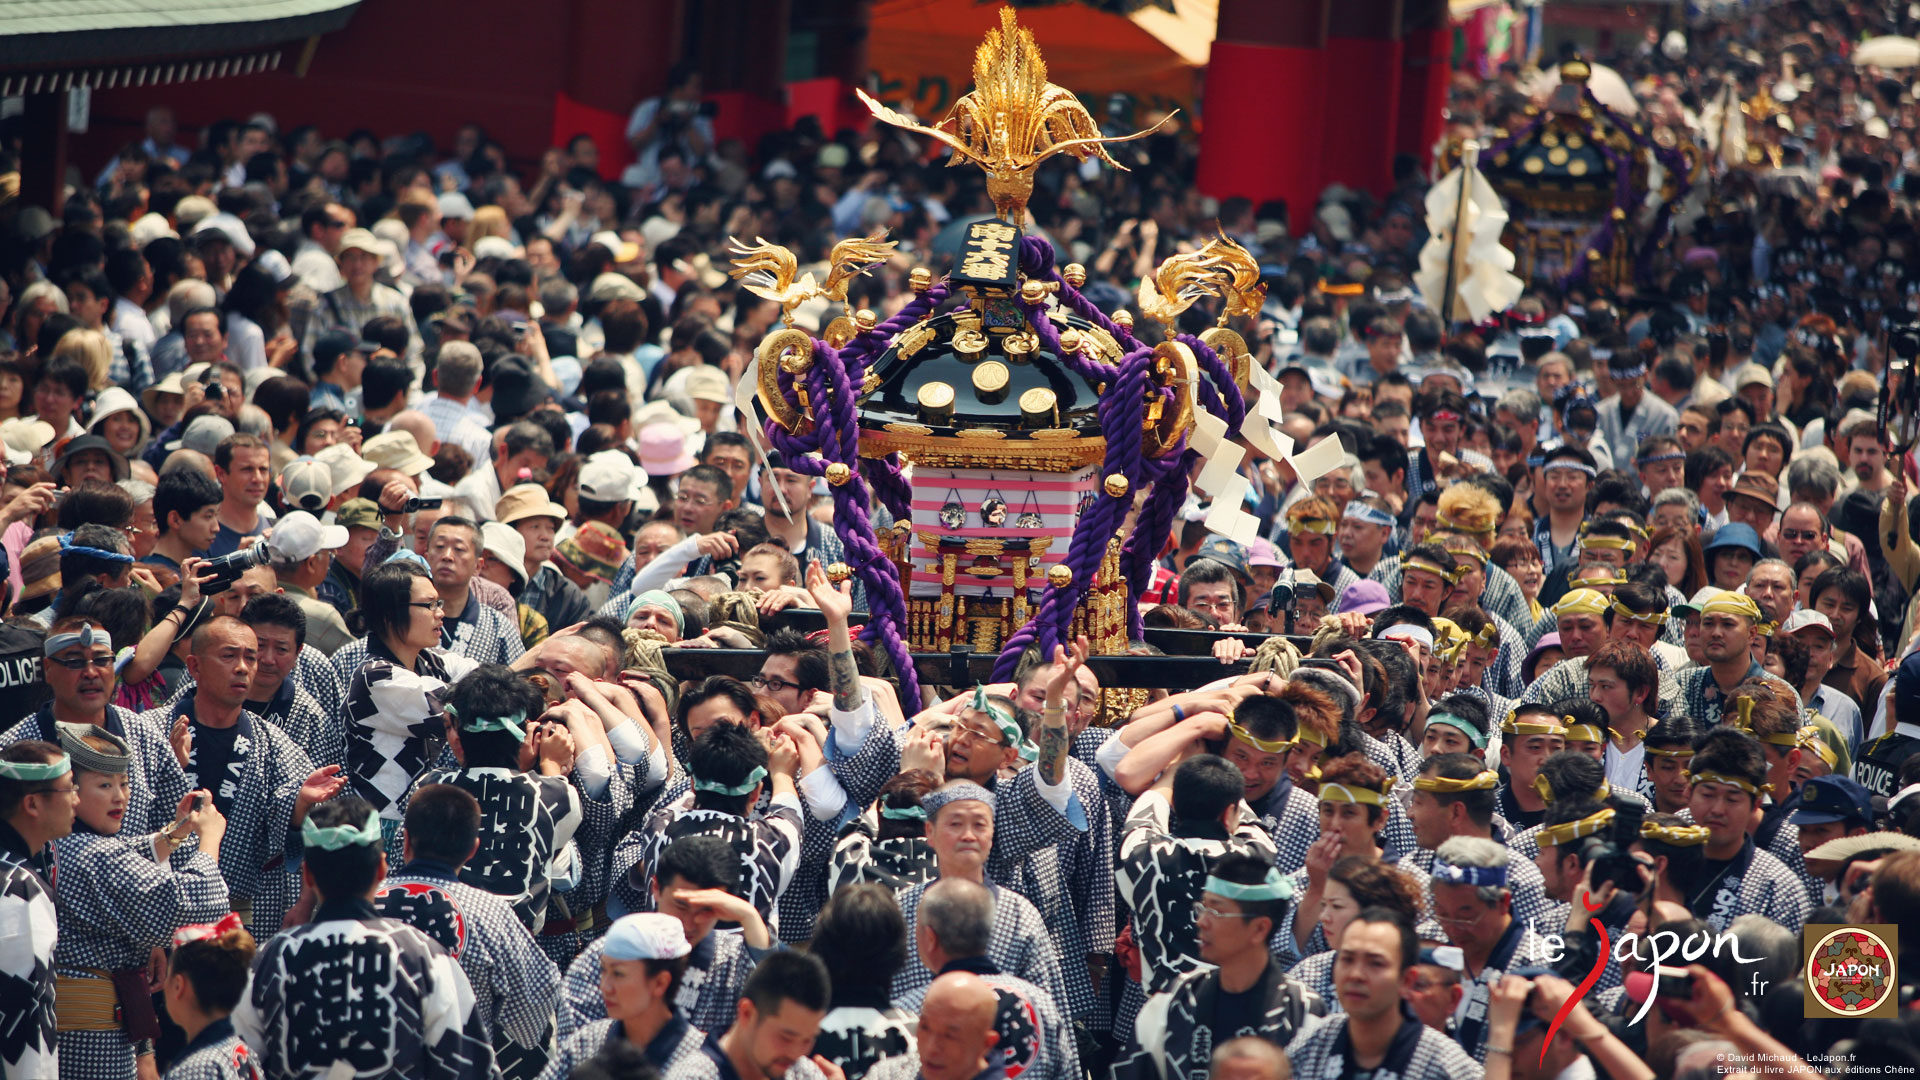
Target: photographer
x: 1518, y: 1047
x: 675, y: 119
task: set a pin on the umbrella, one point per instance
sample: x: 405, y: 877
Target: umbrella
x: 1888, y: 52
x: 1607, y: 85
x: 948, y: 240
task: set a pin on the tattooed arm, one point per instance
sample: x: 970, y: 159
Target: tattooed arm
x: 836, y: 603
x: 1052, y: 738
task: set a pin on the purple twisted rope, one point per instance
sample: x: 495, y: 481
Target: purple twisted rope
x: 1150, y: 531
x: 890, y: 485
x: 1221, y: 394
x: 1121, y: 410
x: 1036, y: 260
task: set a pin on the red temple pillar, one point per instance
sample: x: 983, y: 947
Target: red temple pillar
x: 1427, y: 37
x: 43, y: 158
x: 1361, y: 94
x: 1263, y: 125
x: 617, y: 54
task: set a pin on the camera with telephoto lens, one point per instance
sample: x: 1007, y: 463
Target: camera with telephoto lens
x: 1903, y: 337
x: 1610, y: 852
x: 228, y: 568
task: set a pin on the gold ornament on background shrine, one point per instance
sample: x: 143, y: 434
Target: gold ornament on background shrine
x: 1012, y: 119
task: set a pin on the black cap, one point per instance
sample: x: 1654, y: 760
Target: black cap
x: 331, y: 346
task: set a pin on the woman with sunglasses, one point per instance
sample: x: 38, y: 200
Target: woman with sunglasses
x: 395, y: 727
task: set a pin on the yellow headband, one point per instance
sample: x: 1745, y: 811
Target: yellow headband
x: 1810, y: 740
x: 1306, y: 734
x: 1675, y: 835
x: 1486, y: 781
x: 1730, y: 781
x: 1580, y: 602
x: 1488, y: 637
x: 1348, y: 793
x: 1598, y: 575
x: 1685, y: 752
x: 1550, y: 725
x: 1448, y: 521
x: 1473, y: 553
x: 1269, y: 746
x: 1355, y: 289
x: 1567, y: 831
x: 1733, y: 603
x: 1318, y: 525
x: 1421, y: 563
x: 1615, y: 543
x: 1584, y: 732
x: 1657, y: 618
x: 1545, y: 790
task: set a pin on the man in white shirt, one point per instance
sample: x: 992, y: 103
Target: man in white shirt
x: 452, y: 409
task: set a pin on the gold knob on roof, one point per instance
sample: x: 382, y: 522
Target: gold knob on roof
x: 839, y: 473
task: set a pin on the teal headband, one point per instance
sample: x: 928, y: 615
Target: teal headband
x: 903, y: 813
x: 1005, y: 722
x: 752, y: 781
x: 32, y: 771
x: 1275, y: 887
x: 515, y: 723
x: 340, y: 836
x: 1466, y: 728
x: 660, y: 599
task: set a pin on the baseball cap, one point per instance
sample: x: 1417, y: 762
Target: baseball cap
x: 1261, y: 552
x: 348, y: 468
x: 300, y: 535
x: 307, y: 484
x: 358, y: 514
x: 504, y: 542
x: 204, y: 434
x: 624, y: 251
x: 1825, y: 799
x: 1227, y: 553
x: 612, y: 286
x: 361, y: 240
x: 25, y: 438
x: 610, y: 477
x: 232, y: 228
x: 455, y: 205
x: 331, y: 346
x: 1804, y: 618
x: 708, y: 383
x: 1697, y: 601
x: 396, y: 450
x: 597, y: 550
x: 1365, y: 597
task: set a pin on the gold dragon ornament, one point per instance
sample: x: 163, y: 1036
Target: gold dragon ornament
x: 771, y: 272
x: 1013, y: 119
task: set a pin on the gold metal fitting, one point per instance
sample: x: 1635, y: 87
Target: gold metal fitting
x: 990, y: 382
x: 920, y: 279
x: 1033, y: 290
x: 1075, y: 275
x: 1037, y: 406
x: 865, y: 320
x: 1123, y: 319
x: 969, y: 342
x: 839, y: 572
x: 1059, y: 575
x: 1116, y: 485
x: 936, y: 402
x: 839, y: 473
x: 1070, y: 341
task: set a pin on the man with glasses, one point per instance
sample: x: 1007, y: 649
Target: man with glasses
x: 79, y: 671
x: 1473, y: 904
x: 1245, y: 991
x: 37, y: 803
x: 1209, y: 588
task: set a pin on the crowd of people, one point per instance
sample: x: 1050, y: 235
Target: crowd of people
x: 362, y: 500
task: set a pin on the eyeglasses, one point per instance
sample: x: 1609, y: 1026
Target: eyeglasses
x: 772, y: 684
x: 692, y: 499
x: 1799, y: 534
x: 996, y: 739
x: 435, y: 605
x: 81, y: 663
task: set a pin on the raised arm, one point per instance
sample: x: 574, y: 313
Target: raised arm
x: 836, y: 603
x: 1052, y: 739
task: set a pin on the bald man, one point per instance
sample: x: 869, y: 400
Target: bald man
x: 248, y: 764
x: 954, y: 1038
x: 1250, y: 1058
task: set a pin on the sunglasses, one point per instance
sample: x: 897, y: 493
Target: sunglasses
x: 81, y: 663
